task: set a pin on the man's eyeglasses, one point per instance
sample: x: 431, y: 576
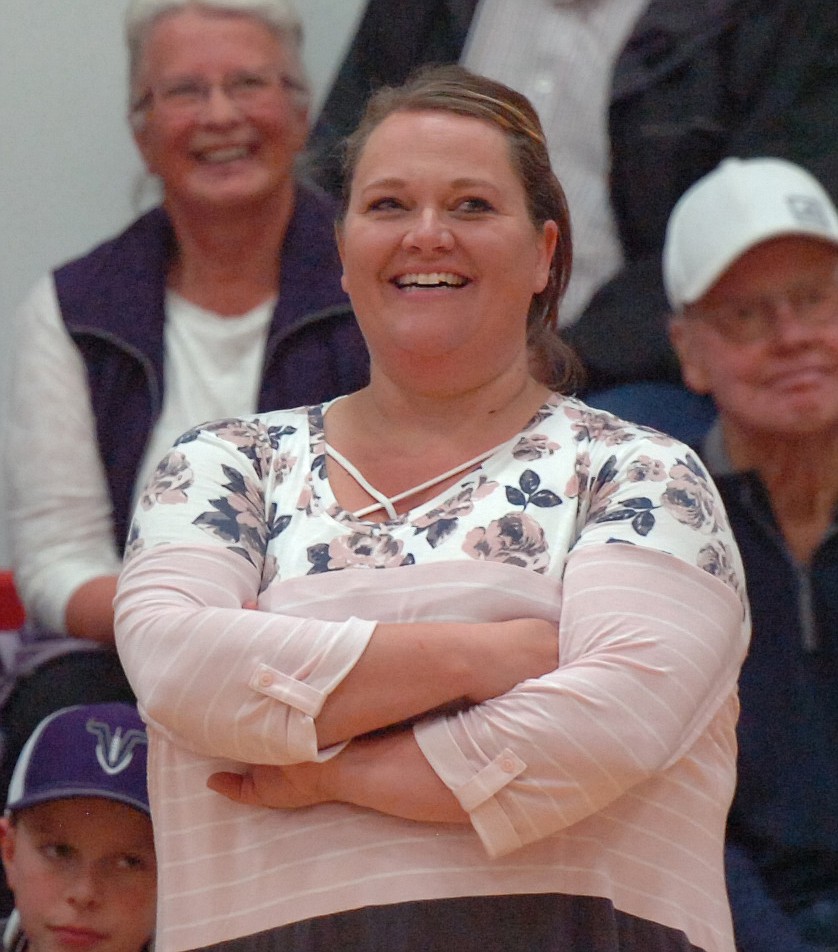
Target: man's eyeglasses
x: 188, y: 95
x: 812, y: 302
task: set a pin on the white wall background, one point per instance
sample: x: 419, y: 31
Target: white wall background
x: 68, y: 169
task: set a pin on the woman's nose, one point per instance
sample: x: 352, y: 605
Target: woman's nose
x: 788, y: 326
x: 428, y: 231
x: 219, y: 108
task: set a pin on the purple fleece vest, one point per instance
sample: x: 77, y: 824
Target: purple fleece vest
x: 112, y: 301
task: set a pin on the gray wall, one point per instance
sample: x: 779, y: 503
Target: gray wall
x: 68, y: 169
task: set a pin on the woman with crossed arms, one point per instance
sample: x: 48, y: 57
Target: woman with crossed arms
x: 488, y: 699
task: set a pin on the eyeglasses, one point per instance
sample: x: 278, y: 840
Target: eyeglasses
x: 189, y: 95
x: 812, y: 303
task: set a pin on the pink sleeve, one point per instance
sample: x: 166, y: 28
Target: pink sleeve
x: 650, y: 650
x: 220, y: 680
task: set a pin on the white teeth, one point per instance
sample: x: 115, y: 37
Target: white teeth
x: 225, y: 155
x: 431, y: 280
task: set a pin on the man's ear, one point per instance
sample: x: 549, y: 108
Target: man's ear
x: 689, y: 357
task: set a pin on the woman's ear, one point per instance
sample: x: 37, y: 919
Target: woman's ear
x: 549, y: 237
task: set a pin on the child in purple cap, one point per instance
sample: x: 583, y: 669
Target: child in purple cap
x: 76, y: 838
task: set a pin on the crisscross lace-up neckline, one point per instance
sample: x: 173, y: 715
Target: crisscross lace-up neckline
x: 387, y: 502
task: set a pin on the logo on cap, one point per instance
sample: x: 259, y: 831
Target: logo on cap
x: 114, y: 750
x: 808, y: 211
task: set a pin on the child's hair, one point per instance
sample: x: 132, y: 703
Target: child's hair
x: 94, y: 750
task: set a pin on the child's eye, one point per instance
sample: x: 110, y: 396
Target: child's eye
x: 131, y: 862
x: 57, y: 851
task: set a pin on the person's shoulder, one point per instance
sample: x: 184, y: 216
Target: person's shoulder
x: 603, y: 430
x: 151, y: 225
x: 264, y: 429
x: 121, y: 276
x: 39, y: 298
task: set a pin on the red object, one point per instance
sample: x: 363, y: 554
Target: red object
x: 11, y: 607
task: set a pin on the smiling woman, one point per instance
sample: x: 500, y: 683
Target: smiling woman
x: 514, y: 733
x: 223, y: 300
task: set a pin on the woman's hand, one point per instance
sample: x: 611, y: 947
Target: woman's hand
x: 389, y: 774
x: 265, y: 785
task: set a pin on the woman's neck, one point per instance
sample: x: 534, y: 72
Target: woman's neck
x: 389, y: 427
x: 801, y: 477
x: 228, y: 261
x: 414, y: 444
x: 486, y: 413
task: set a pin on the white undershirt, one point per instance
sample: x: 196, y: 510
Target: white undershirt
x: 59, y: 508
x: 561, y: 55
x: 212, y: 370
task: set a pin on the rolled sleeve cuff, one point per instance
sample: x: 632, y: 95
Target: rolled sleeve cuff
x: 304, y: 699
x: 475, y: 787
x: 288, y: 690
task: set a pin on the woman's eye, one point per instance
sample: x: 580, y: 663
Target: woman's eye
x: 384, y: 204
x: 131, y: 862
x: 475, y: 205
x: 246, y: 84
x: 186, y: 91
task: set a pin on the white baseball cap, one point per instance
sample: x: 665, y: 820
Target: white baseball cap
x: 741, y: 203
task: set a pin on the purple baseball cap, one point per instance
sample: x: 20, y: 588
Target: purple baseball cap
x: 93, y: 750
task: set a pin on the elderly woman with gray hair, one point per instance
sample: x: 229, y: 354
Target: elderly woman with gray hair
x: 225, y: 299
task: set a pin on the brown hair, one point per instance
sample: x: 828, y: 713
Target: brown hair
x: 456, y: 90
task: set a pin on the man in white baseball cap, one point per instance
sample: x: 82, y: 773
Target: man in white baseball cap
x: 751, y: 271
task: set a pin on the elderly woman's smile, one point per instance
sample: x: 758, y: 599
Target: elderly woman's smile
x: 220, y: 122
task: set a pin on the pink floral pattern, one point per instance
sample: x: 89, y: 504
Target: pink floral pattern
x: 169, y: 481
x: 365, y: 548
x: 442, y: 520
x: 514, y: 539
x: 690, y: 498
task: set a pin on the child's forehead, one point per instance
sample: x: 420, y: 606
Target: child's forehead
x: 79, y: 816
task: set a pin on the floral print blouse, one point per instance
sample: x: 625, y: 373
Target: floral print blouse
x: 573, y: 476
x: 610, y: 776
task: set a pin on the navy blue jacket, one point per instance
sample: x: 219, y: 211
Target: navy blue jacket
x: 112, y: 301
x: 782, y: 847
